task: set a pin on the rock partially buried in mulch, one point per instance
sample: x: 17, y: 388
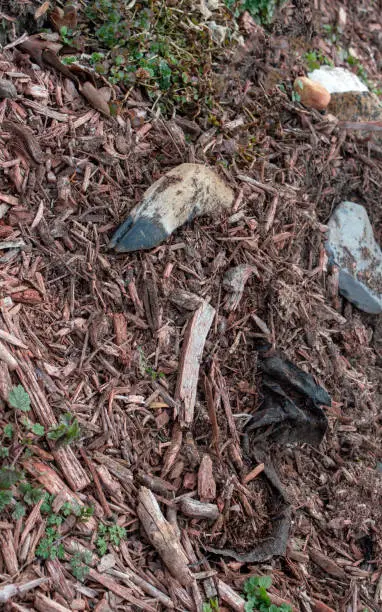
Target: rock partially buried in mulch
x: 182, y: 194
x: 7, y: 89
x: 352, y: 247
x: 337, y: 80
x: 350, y: 98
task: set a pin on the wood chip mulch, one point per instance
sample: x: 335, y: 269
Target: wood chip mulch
x: 116, y: 341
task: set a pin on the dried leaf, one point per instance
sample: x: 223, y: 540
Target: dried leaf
x: 66, y: 17
x: 41, y: 10
x: 95, y: 98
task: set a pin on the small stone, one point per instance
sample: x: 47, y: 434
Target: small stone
x: 352, y: 247
x: 312, y: 94
x: 106, y: 563
x: 7, y: 89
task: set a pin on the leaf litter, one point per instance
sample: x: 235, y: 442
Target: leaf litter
x: 163, y: 469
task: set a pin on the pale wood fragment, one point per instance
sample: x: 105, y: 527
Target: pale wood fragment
x: 42, y: 603
x: 196, y: 509
x: 7, y: 357
x: 192, y: 351
x: 206, y: 481
x: 119, y: 590
x: 13, y: 590
x: 163, y: 537
x: 9, y: 553
x: 230, y: 597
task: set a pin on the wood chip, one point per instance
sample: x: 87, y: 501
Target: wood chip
x: 163, y: 537
x: 192, y: 351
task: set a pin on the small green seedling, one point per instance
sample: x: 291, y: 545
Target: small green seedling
x: 212, y: 605
x: 79, y: 564
x: 109, y: 534
x: 49, y: 546
x: 19, y: 399
x: 255, y: 590
x: 66, y: 432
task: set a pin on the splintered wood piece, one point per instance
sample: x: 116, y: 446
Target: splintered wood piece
x: 172, y: 450
x: 9, y: 591
x: 327, y: 564
x: 7, y: 357
x: 51, y: 481
x: 212, y: 414
x: 230, y: 597
x: 196, y: 509
x: 5, y: 381
x: 101, y: 496
x: 163, y: 537
x: 227, y: 406
x: 119, y: 590
x: 150, y: 302
x: 253, y: 473
x: 9, y: 553
x: 178, y: 593
x: 59, y: 581
x: 192, y: 351
x: 45, y: 604
x: 206, y: 481
x: 146, y: 586
x: 120, y: 328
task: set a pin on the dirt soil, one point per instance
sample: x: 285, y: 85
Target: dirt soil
x: 101, y: 335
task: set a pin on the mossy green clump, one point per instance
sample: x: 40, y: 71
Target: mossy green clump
x: 261, y: 10
x: 164, y: 47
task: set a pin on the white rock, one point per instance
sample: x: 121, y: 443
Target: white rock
x: 337, y: 80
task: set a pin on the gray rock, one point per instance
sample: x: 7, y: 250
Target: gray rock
x: 7, y: 89
x: 352, y: 247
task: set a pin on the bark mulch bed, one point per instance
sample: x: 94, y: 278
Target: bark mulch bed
x: 113, y: 340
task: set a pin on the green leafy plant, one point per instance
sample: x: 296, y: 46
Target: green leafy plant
x: 35, y: 428
x: 7, y: 435
x: 11, y: 477
x: 31, y: 495
x: 8, y: 431
x: 109, y: 534
x: 257, y: 598
x: 8, y: 477
x: 6, y: 498
x: 315, y: 58
x: 79, y: 564
x: 212, y: 605
x: 362, y: 73
x: 66, y: 35
x: 145, y: 368
x: 66, y: 432
x: 49, y: 546
x: 261, y: 10
x: 19, y: 399
x: 69, y: 60
x: 147, y: 45
x: 296, y: 96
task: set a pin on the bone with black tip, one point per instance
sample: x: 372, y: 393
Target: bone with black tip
x: 179, y: 196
